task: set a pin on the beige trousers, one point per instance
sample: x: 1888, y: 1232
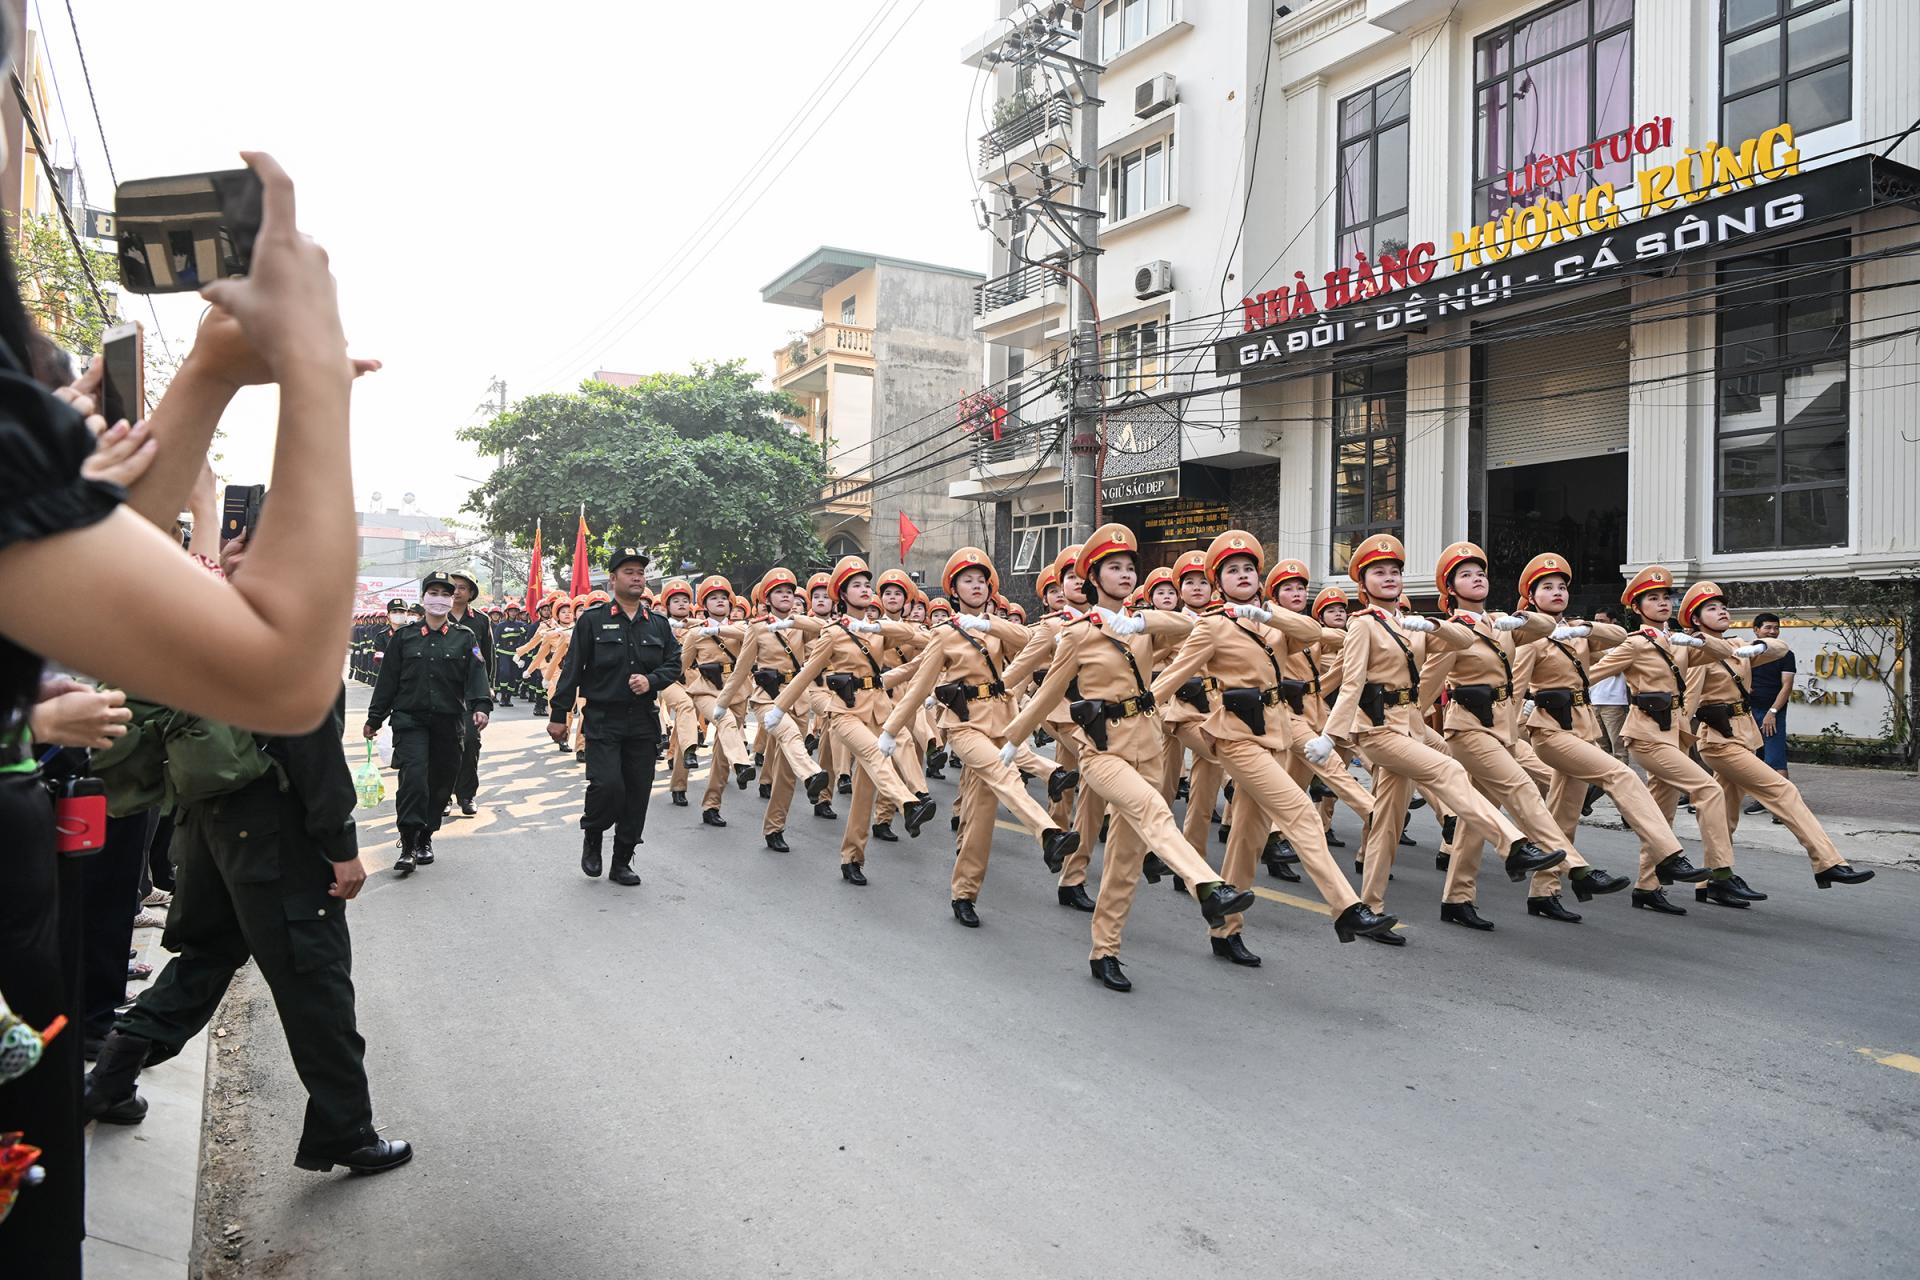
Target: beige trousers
x: 1261, y: 787
x: 872, y: 772
x: 1399, y: 764
x: 788, y: 764
x: 729, y: 746
x: 1744, y: 774
x: 985, y: 785
x: 1500, y: 777
x: 1671, y: 771
x: 1142, y: 821
x: 1576, y: 763
x: 684, y: 719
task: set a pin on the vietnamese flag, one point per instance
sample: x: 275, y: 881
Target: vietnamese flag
x: 582, y: 571
x: 535, y: 587
x: 908, y: 533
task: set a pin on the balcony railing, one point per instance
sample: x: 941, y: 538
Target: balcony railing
x: 1041, y: 118
x: 844, y: 494
x: 1018, y: 442
x: 827, y: 339
x: 1015, y: 286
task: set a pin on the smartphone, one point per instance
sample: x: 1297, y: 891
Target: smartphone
x: 124, y: 390
x: 178, y: 234
x: 241, y: 510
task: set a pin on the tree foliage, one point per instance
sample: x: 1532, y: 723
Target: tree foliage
x: 695, y: 468
x: 54, y: 284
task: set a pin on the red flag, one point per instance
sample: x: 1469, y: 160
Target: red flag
x: 535, y: 587
x: 582, y: 572
x: 908, y: 533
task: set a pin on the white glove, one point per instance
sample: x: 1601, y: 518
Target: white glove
x: 1007, y: 753
x: 1682, y: 640
x: 1251, y: 612
x: 771, y: 717
x: 864, y: 628
x: 1509, y: 622
x: 968, y: 622
x: 709, y: 628
x: 1750, y: 650
x: 931, y: 702
x: 1106, y: 616
x: 780, y: 624
x: 1526, y: 708
x: 1414, y: 622
x: 1319, y: 750
x: 1569, y: 633
x: 887, y: 745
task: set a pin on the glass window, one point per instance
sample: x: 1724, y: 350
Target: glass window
x: 1781, y: 409
x: 1125, y: 23
x: 848, y: 310
x: 1132, y: 356
x: 1547, y: 83
x: 1785, y: 60
x: 1371, y: 213
x: 1139, y: 180
x: 1370, y: 432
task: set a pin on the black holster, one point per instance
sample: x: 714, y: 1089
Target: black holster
x: 712, y: 672
x: 1194, y: 693
x: 1249, y: 706
x: 954, y: 697
x: 1658, y: 708
x: 1557, y: 703
x: 1477, y: 698
x: 1719, y: 715
x: 770, y: 680
x: 1091, y: 715
x: 1295, y: 692
x: 1373, y: 701
x: 844, y: 686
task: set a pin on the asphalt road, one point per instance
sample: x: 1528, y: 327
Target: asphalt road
x: 746, y: 1067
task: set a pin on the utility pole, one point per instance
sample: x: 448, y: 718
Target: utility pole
x: 499, y: 388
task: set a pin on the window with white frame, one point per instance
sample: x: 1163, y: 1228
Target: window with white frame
x: 1039, y: 538
x: 1138, y: 180
x: 1374, y: 132
x: 1125, y: 23
x: 1785, y: 60
x: 1132, y: 356
x: 848, y: 310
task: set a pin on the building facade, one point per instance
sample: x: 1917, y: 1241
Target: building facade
x: 887, y: 350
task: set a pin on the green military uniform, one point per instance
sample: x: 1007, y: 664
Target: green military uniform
x: 252, y: 872
x: 431, y: 681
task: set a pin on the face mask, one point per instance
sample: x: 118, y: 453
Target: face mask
x: 437, y: 606
x: 397, y: 619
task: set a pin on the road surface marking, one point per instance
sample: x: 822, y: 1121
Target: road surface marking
x: 1898, y: 1061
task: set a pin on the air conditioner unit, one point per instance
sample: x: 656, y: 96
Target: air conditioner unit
x: 1151, y: 97
x: 1153, y: 279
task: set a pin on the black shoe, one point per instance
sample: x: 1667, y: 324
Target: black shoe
x: 1226, y: 828
x: 1227, y: 791
x: 1317, y: 790
x: 963, y: 912
x: 1055, y: 845
x: 1280, y: 849
x: 742, y: 775
x: 1107, y: 970
x: 1389, y: 938
x: 953, y: 822
x: 377, y: 1156
x: 1676, y: 867
x: 1656, y: 900
x: 403, y: 865
x: 1406, y: 841
x: 1075, y: 896
x: 1359, y: 866
x: 590, y: 854
x: 466, y: 808
x: 766, y: 791
x: 1362, y: 921
x: 690, y: 757
x: 1061, y: 781
x: 1235, y: 950
x: 1719, y: 892
x: 884, y: 831
x: 1596, y: 882
x: 812, y: 741
x: 1754, y: 807
x: 1184, y: 789
x: 1441, y: 861
x: 1179, y: 885
x: 824, y: 810
x: 110, y: 1093
x: 679, y: 799
x: 940, y: 774
x: 423, y: 850
x: 777, y: 841
x: 1224, y: 900
x: 1594, y: 792
x: 915, y: 815
x: 1549, y: 908
x: 1333, y: 841
x: 1448, y: 825
x: 580, y: 756
x: 846, y: 784
x: 712, y: 818
x: 1744, y: 890
x: 1284, y: 871
x: 852, y: 874
x: 1526, y: 857
x: 1463, y: 913
x: 1153, y: 868
x: 817, y: 787
x: 1840, y: 873
x: 540, y: 706
x: 622, y: 871
x: 1418, y: 802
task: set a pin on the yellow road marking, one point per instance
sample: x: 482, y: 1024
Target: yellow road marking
x: 1291, y: 900
x: 1898, y: 1061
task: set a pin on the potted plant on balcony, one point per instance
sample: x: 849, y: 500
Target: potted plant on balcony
x: 796, y: 350
x: 1013, y: 106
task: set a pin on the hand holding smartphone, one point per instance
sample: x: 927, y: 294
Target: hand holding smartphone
x: 179, y: 234
x: 123, y: 387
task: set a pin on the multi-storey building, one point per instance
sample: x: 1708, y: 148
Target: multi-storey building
x: 886, y: 353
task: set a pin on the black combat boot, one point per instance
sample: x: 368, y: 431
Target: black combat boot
x: 590, y: 852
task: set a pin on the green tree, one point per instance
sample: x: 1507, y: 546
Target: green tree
x: 693, y: 467
x: 54, y: 283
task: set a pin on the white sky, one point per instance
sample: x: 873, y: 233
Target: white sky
x: 493, y: 181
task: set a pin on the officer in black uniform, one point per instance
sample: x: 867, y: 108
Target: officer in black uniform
x: 397, y: 617
x: 513, y: 632
x: 433, y: 683
x: 465, y: 591
x: 264, y: 873
x: 621, y: 656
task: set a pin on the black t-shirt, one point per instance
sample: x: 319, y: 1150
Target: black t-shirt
x: 1766, y: 680
x: 42, y: 444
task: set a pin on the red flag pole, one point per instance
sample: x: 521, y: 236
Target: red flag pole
x: 582, y: 571
x: 535, y: 586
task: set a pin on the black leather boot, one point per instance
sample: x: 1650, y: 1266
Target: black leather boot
x: 1462, y: 913
x: 1235, y: 949
x: 590, y: 852
x: 377, y: 1156
x: 777, y: 841
x: 1526, y: 857
x: 1549, y: 908
x: 622, y: 871
x: 423, y: 849
x: 1840, y: 873
x: 110, y: 1093
x: 963, y: 912
x: 1061, y: 781
x: 679, y: 799
x: 1597, y: 882
x: 1107, y: 970
x: 852, y: 874
x: 1362, y: 921
x: 1055, y: 844
x: 1075, y: 896
x: 1656, y: 900
x: 1223, y: 900
x: 403, y: 865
